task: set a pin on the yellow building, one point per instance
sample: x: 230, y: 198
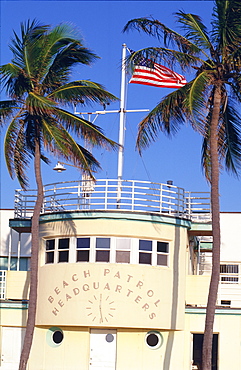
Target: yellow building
x: 123, y: 279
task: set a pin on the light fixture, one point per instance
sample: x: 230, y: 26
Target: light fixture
x: 59, y: 167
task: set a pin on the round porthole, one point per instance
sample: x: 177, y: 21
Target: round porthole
x: 109, y: 338
x: 154, y: 339
x: 54, y: 336
x: 58, y: 336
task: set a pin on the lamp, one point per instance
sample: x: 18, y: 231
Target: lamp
x: 59, y: 167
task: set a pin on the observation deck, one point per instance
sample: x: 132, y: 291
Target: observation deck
x: 116, y: 195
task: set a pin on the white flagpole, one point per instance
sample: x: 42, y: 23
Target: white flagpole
x: 122, y: 115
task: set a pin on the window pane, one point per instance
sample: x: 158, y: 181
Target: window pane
x: 102, y: 256
x: 122, y: 257
x: 64, y: 256
x: 3, y: 263
x: 145, y: 245
x: 50, y: 244
x: 123, y: 243
x: 24, y: 263
x: 64, y: 243
x: 103, y: 243
x: 50, y: 257
x: 162, y: 259
x: 13, y: 263
x: 83, y: 256
x: 145, y: 258
x: 162, y: 247
x: 83, y: 243
x: 229, y: 269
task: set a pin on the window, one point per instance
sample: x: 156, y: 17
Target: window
x: 21, y: 264
x: 153, y: 252
x: 83, y: 250
x: 162, y: 253
x: 54, y: 336
x: 102, y: 249
x: 123, y: 247
x: 229, y: 274
x: 58, y: 336
x: 145, y: 252
x: 63, y: 249
x: 50, y: 246
x: 197, y: 351
x: 154, y: 339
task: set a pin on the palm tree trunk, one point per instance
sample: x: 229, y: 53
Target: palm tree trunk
x: 215, y: 208
x: 33, y: 263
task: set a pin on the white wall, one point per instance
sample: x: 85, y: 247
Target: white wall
x: 5, y: 215
x: 230, y: 237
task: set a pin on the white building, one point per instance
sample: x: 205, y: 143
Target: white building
x: 123, y: 279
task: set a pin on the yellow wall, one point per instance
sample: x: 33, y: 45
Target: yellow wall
x: 197, y: 287
x: 17, y: 285
x: 13, y: 317
x: 72, y: 354
x: 143, y: 295
x: 228, y: 326
x: 131, y: 296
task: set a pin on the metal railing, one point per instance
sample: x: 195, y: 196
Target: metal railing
x: 119, y: 195
x: 3, y: 274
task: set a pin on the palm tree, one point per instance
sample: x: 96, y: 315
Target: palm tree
x: 208, y: 102
x: 37, y: 83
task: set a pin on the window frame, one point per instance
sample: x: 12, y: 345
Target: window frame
x: 132, y: 249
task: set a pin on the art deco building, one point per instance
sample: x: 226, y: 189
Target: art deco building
x: 124, y: 271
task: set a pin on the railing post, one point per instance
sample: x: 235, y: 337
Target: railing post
x: 133, y: 196
x: 161, y: 195
x: 79, y: 196
x: 106, y: 193
x: 188, y: 204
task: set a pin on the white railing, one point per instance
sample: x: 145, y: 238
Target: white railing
x: 3, y: 275
x: 119, y: 195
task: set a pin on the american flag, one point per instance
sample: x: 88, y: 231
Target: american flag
x: 153, y: 74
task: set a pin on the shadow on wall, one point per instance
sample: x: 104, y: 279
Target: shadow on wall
x: 174, y: 308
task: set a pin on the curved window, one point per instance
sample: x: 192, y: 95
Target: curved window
x: 154, y: 339
x: 110, y: 250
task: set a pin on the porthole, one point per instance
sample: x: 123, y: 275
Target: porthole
x: 109, y: 338
x: 54, y: 337
x: 58, y: 336
x: 154, y: 339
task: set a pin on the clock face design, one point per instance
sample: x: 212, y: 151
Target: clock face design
x: 100, y: 308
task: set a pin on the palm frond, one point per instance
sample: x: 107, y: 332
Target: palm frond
x: 30, y: 32
x: 7, y: 109
x: 166, y: 117
x: 196, y: 100
x: 14, y: 80
x: 157, y: 29
x: 38, y: 104
x: 63, y: 145
x: 58, y: 71
x: 162, y: 55
x: 230, y: 137
x: 21, y: 159
x: 84, y: 92
x: 195, y: 31
x: 84, y: 128
x: 11, y: 136
x: 226, y: 26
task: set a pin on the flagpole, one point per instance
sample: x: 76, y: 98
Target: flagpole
x: 122, y: 115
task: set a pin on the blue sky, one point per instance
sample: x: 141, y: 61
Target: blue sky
x: 101, y: 23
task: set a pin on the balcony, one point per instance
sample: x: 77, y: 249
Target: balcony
x: 116, y: 195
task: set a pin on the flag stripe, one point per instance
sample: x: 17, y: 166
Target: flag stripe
x: 156, y: 75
